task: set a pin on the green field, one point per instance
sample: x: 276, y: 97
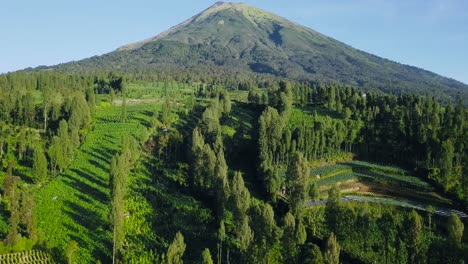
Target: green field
x: 76, y: 204
x: 29, y: 257
x: 159, y: 90
x: 360, y: 170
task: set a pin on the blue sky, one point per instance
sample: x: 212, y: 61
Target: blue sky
x: 431, y: 34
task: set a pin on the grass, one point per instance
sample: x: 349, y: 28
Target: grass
x: 300, y: 115
x: 239, y: 95
x: 76, y: 204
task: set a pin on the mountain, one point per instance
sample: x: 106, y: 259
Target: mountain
x: 235, y: 37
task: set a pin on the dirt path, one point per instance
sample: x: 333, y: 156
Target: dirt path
x: 403, y: 203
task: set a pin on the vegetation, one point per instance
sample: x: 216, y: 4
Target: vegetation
x: 269, y: 45
x: 199, y: 166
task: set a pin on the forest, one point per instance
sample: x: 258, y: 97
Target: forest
x: 154, y: 167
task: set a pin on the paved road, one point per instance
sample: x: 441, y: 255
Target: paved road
x: 409, y: 204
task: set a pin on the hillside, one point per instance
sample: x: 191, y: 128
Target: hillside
x: 234, y: 37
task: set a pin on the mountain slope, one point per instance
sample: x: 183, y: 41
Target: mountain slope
x: 237, y: 37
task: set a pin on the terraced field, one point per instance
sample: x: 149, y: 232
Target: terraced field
x: 76, y: 204
x: 443, y: 211
x: 26, y: 257
x: 352, y: 170
x: 365, y: 178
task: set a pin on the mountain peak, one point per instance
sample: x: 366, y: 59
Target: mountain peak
x: 239, y: 11
x: 236, y: 37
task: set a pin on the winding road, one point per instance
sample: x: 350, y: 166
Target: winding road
x: 409, y: 204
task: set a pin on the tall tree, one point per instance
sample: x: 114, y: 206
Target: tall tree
x: 414, y: 226
x: 70, y: 251
x: 311, y: 254
x: 455, y: 230
x: 80, y: 115
x: 332, y: 250
x: 39, y: 164
x: 240, y: 203
x: 296, y: 180
x: 27, y: 210
x: 206, y: 257
x: 333, y: 208
x: 10, y: 190
x: 289, y: 237
x: 176, y: 250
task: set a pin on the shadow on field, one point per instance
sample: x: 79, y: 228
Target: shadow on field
x: 85, y: 188
x: 177, y: 209
x: 143, y: 122
x: 85, y: 217
x: 99, y: 155
x: 98, y: 165
x: 91, y: 176
x: 102, y: 245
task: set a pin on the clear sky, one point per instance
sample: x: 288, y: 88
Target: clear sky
x: 431, y: 34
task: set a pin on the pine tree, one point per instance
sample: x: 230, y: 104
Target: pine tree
x: 39, y: 165
x: 332, y: 250
x: 446, y: 163
x: 70, y: 251
x: 176, y: 250
x: 414, y: 226
x: 26, y: 213
x: 240, y: 202
x: 123, y: 113
x: 333, y: 208
x: 221, y: 238
x: 221, y: 186
x: 289, y: 238
x: 10, y: 190
x: 312, y: 255
x: 296, y: 179
x: 80, y: 116
x: 455, y: 230
x: 206, y: 257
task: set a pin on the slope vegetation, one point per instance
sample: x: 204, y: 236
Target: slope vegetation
x: 76, y: 205
x: 233, y: 38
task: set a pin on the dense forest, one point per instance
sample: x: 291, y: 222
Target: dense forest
x: 197, y: 168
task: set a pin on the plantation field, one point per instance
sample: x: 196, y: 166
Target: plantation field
x: 239, y: 95
x: 159, y: 90
x: 76, y: 204
x: 443, y: 211
x: 360, y: 169
x: 157, y: 207
x: 26, y: 257
x: 304, y: 115
x: 362, y: 177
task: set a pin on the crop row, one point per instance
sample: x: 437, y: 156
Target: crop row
x: 328, y: 170
x: 403, y: 181
x: 75, y: 205
x: 337, y: 179
x: 378, y: 167
x: 26, y: 257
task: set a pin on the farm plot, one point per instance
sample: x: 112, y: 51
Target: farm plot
x: 366, y: 170
x: 76, y: 204
x: 443, y: 211
x: 328, y: 171
x: 26, y: 257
